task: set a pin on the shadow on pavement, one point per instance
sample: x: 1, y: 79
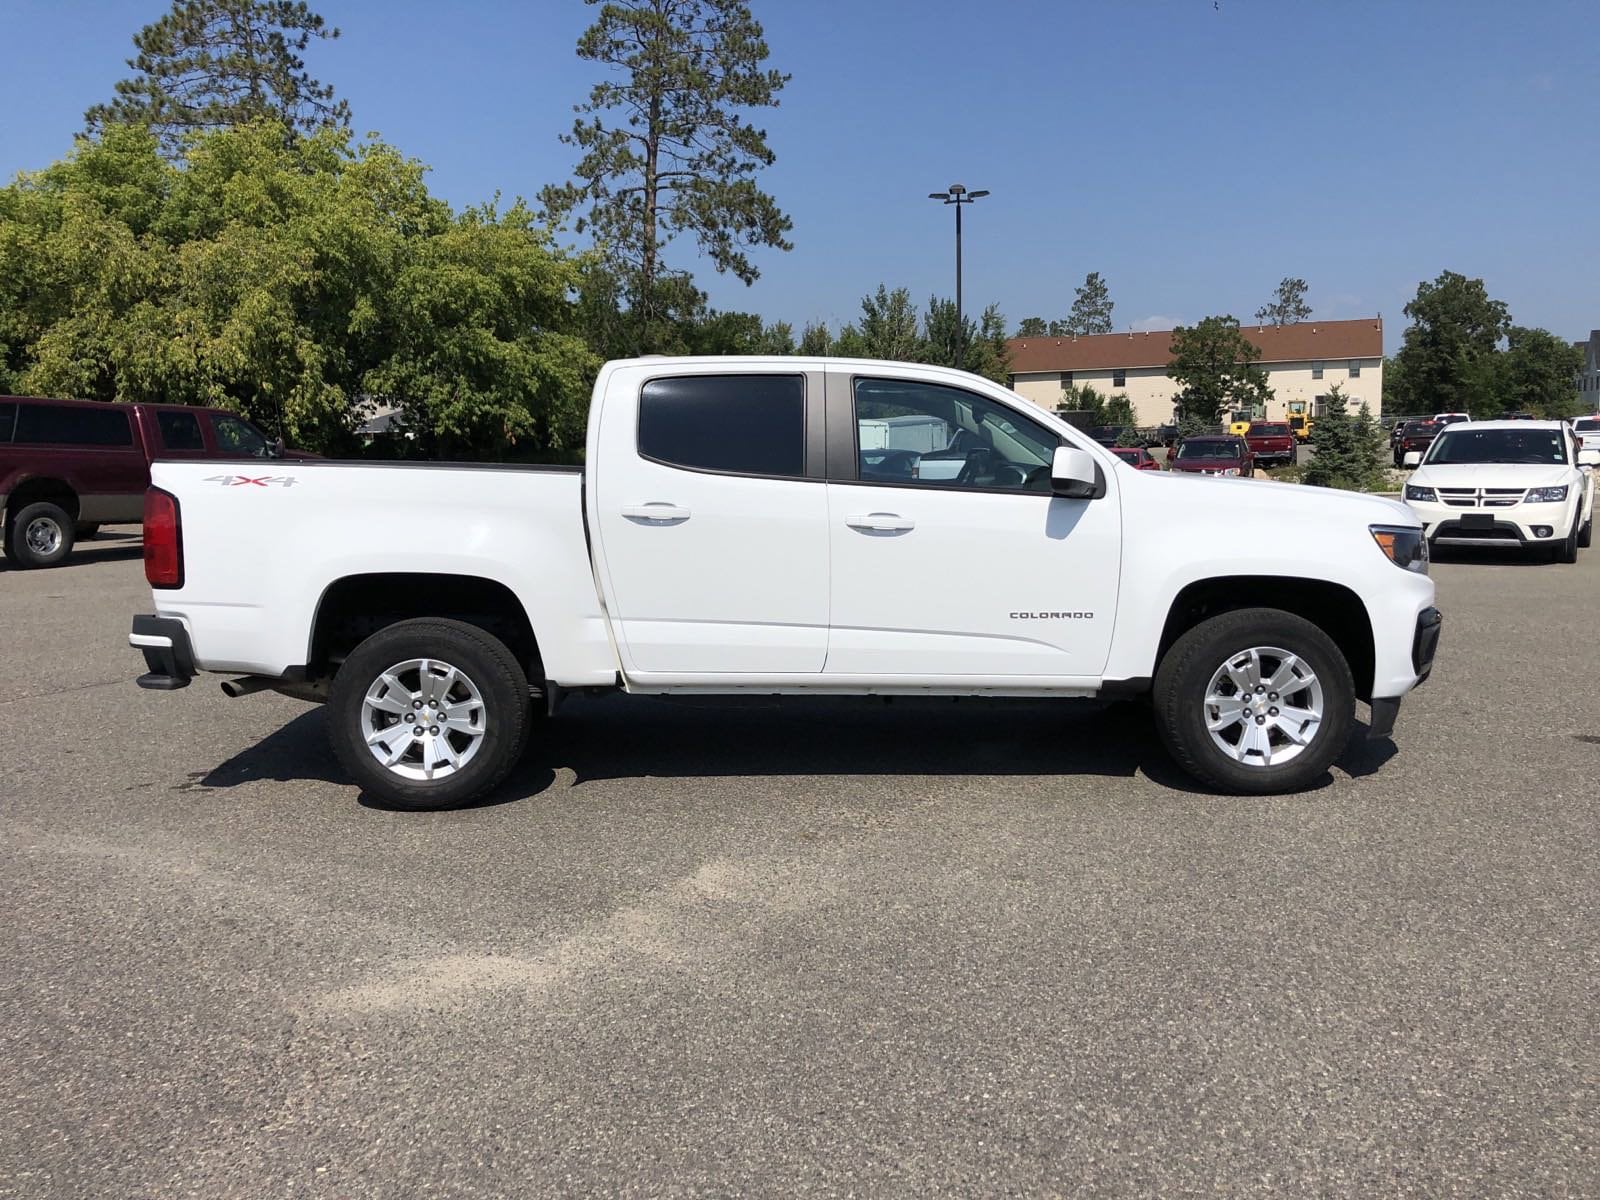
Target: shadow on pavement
x: 636, y: 738
x: 104, y: 548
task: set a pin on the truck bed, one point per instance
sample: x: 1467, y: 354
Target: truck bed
x: 264, y: 540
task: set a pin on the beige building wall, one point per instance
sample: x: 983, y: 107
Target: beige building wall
x: 1152, y: 390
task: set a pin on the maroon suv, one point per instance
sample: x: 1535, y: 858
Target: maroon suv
x: 1223, y: 454
x: 69, y: 466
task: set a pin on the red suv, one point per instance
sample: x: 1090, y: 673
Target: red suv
x: 69, y: 466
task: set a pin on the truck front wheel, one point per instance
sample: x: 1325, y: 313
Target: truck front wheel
x: 1257, y: 701
x: 429, y: 713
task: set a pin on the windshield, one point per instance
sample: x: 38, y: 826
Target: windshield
x: 1543, y: 446
x: 1270, y: 430
x: 1192, y: 449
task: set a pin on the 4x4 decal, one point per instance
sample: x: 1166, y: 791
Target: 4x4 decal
x: 256, y: 480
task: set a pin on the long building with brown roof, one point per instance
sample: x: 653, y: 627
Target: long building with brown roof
x: 1301, y: 361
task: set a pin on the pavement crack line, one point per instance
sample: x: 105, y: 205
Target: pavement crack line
x: 82, y: 687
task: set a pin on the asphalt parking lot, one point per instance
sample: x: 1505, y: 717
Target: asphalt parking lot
x: 829, y: 948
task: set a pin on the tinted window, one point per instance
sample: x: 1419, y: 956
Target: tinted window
x: 1270, y: 430
x: 1194, y: 449
x: 73, y: 425
x: 929, y: 435
x: 8, y: 418
x: 1499, y: 446
x: 1582, y: 425
x: 239, y: 437
x: 180, y: 431
x: 749, y: 424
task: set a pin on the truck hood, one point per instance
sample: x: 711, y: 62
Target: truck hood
x: 1493, y: 475
x: 1278, y: 503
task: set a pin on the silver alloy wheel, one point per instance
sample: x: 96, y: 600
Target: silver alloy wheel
x: 43, y: 536
x: 1263, y: 706
x: 423, y: 719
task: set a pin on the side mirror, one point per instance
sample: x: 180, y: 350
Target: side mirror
x: 1589, y: 458
x: 1073, y: 474
x: 1413, y: 458
x: 276, y: 450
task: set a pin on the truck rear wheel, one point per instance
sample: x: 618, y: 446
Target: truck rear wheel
x: 39, y: 535
x: 429, y: 713
x: 1257, y: 701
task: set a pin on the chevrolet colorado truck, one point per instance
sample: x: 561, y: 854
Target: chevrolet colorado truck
x: 741, y: 526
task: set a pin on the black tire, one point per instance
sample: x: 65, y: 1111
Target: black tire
x: 86, y: 530
x: 43, y: 521
x: 1586, y: 534
x: 1566, y: 550
x: 483, y: 659
x: 1185, y: 674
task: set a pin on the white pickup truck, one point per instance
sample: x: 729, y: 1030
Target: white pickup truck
x: 734, y: 531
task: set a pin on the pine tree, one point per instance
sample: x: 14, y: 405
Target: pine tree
x: 214, y: 63
x: 679, y: 156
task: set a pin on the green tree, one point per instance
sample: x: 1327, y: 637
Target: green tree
x: 213, y: 63
x: 1214, y: 365
x: 1032, y: 327
x: 1349, y: 447
x: 294, y: 279
x: 666, y: 146
x: 1537, y: 373
x: 1288, y: 304
x: 1085, y: 399
x: 1446, y: 359
x: 1119, y: 410
x: 1091, y: 307
x: 888, y: 328
x: 988, y: 354
x: 816, y: 341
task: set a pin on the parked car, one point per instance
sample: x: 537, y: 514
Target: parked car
x: 1272, y: 444
x: 69, y: 466
x: 1587, y: 430
x: 1415, y: 437
x: 1450, y: 418
x: 1166, y: 436
x: 1108, y: 435
x: 720, y: 538
x: 1221, y: 455
x: 1394, y: 432
x: 1136, y: 457
x: 1505, y: 483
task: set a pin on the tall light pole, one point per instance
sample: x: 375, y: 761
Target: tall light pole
x: 958, y: 196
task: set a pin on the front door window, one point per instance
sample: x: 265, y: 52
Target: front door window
x: 931, y: 435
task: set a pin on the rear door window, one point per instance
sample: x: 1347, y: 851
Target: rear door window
x: 737, y: 424
x: 73, y: 425
x: 180, y: 431
x: 238, y: 438
x: 8, y: 421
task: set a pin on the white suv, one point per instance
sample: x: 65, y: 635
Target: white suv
x: 1505, y: 483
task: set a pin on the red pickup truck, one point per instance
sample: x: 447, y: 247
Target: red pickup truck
x: 1272, y: 443
x: 69, y: 466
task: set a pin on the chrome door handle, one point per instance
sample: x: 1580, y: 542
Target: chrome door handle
x: 880, y: 522
x: 656, y: 510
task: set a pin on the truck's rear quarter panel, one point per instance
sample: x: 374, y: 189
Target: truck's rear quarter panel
x: 263, y: 541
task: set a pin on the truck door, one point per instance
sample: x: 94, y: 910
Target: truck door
x: 712, y: 517
x: 971, y: 567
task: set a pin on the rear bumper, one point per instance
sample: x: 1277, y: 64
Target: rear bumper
x: 168, y: 657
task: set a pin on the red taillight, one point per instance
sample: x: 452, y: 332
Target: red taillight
x: 163, y: 540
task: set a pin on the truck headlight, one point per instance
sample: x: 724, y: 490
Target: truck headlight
x: 1426, y: 494
x: 1552, y: 495
x: 1403, y: 545
x: 1228, y: 471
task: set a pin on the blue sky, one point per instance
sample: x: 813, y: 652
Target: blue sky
x: 1194, y: 154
